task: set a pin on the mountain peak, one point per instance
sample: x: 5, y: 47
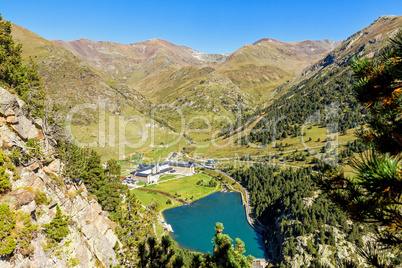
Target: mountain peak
x: 384, y: 18
x: 157, y: 40
x: 266, y: 40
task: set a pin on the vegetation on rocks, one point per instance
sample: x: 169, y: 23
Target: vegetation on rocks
x: 26, y: 234
x: 40, y: 198
x: 85, y: 165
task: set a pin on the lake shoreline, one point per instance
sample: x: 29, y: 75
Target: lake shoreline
x: 201, y: 216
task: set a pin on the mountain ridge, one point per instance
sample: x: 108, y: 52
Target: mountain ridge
x: 168, y: 74
x: 70, y: 80
x: 366, y: 40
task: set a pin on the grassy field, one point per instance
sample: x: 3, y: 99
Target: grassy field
x: 229, y: 147
x: 230, y: 183
x: 186, y: 188
x: 115, y: 136
x: 147, y: 198
x: 167, y: 177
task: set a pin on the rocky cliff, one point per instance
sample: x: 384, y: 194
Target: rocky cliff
x: 90, y: 240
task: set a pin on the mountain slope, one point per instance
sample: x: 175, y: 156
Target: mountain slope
x: 118, y: 60
x: 365, y: 42
x: 268, y: 63
x: 139, y: 65
x: 70, y: 80
x: 182, y: 80
x: 329, y: 81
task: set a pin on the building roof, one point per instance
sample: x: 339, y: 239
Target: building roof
x: 165, y: 170
x: 146, y: 167
x: 181, y: 165
x: 141, y: 174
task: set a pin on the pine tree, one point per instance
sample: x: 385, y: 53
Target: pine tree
x: 227, y: 256
x: 57, y: 229
x: 5, y: 183
x: 374, y: 195
x: 14, y: 75
x: 154, y: 255
x: 7, y: 224
x: 135, y: 224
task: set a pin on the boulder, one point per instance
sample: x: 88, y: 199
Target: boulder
x: 23, y: 197
x: 34, y: 167
x: 7, y: 100
x: 110, y: 235
x: 102, y: 250
x: 29, y: 207
x: 25, y: 128
x: 54, y: 167
x: 12, y: 119
x: 10, y: 112
x: 10, y: 107
x: 9, y: 137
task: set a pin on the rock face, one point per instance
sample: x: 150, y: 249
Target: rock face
x: 91, y: 239
x: 15, y: 127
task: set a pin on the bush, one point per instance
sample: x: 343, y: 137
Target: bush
x: 40, y: 198
x: 5, y: 183
x: 26, y: 235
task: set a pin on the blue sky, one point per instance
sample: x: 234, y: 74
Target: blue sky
x: 207, y: 26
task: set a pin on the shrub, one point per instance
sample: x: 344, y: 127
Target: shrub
x: 41, y: 198
x: 5, y: 183
x: 73, y: 262
x: 26, y: 235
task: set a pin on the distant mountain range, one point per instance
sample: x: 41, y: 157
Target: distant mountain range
x: 153, y: 67
x: 179, y: 78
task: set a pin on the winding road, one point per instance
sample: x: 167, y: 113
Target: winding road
x: 245, y: 199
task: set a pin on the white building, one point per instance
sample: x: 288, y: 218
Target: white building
x: 149, y: 174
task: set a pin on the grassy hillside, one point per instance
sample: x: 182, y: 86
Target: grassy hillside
x: 69, y: 80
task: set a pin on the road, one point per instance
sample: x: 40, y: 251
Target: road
x: 245, y: 199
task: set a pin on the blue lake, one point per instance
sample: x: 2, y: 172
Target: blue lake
x: 193, y: 225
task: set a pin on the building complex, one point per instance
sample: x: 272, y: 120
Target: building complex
x: 151, y: 173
